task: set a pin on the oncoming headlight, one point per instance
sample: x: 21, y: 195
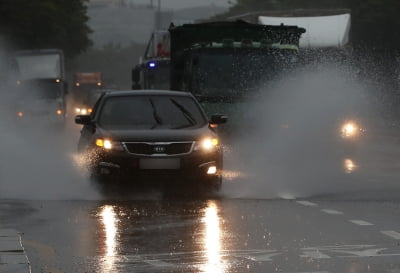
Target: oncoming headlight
x: 350, y: 129
x: 109, y: 145
x: 207, y: 144
x: 83, y: 111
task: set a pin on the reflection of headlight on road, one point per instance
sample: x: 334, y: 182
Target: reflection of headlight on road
x: 207, y: 144
x: 350, y: 129
x: 349, y: 165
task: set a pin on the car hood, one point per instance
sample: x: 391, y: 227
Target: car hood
x: 156, y: 135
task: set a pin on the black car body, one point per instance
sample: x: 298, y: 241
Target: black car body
x: 141, y: 133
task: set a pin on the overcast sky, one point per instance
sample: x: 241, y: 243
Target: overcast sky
x: 178, y: 4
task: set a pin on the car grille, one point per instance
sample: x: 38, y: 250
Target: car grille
x: 159, y: 148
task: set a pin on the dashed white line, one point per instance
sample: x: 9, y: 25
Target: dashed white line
x: 361, y: 222
x: 313, y: 272
x: 313, y: 253
x: 391, y: 233
x: 331, y: 211
x: 307, y: 203
x: 158, y: 263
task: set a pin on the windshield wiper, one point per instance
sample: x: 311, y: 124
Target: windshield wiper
x: 185, y: 112
x: 155, y: 115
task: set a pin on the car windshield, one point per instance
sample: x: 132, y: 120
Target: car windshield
x: 150, y: 112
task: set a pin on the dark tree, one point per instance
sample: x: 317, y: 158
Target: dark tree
x: 35, y: 24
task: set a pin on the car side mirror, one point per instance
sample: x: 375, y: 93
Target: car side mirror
x: 218, y: 119
x: 83, y: 119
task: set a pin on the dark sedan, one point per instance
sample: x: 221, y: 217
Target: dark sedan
x: 139, y: 134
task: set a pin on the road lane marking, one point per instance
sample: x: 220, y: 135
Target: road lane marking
x: 158, y: 263
x: 313, y: 253
x: 256, y: 255
x: 361, y: 222
x: 312, y: 272
x: 373, y: 252
x: 307, y: 203
x: 391, y: 233
x: 332, y: 211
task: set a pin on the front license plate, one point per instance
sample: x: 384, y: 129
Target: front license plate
x: 160, y: 163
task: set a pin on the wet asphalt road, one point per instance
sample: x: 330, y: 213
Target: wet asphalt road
x: 209, y: 235
x: 148, y: 231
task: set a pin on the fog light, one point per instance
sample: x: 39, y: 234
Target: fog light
x: 20, y: 114
x: 212, y: 170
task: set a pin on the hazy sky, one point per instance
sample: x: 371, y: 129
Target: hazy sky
x: 178, y: 4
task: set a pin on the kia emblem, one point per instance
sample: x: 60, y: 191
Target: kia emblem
x: 159, y: 149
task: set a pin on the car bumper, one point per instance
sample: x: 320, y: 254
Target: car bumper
x: 197, y: 165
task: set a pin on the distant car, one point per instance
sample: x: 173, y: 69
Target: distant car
x: 136, y: 133
x: 86, y: 106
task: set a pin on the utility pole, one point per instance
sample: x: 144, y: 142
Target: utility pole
x: 158, y: 16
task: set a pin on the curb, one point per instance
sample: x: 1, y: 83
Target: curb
x: 12, y: 254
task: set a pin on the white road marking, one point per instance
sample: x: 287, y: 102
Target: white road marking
x: 373, y: 252
x: 361, y: 222
x: 313, y: 253
x: 307, y: 203
x: 312, y: 272
x: 158, y: 263
x: 263, y: 258
x: 258, y: 255
x: 332, y: 211
x: 391, y: 233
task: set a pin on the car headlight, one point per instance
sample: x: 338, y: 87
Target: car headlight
x: 109, y: 145
x: 350, y: 129
x: 207, y: 144
x: 83, y: 111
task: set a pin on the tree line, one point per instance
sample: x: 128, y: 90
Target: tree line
x: 35, y: 24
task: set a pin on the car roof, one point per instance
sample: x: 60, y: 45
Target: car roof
x: 147, y: 92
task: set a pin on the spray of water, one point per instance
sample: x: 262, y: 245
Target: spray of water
x: 36, y: 157
x: 292, y: 145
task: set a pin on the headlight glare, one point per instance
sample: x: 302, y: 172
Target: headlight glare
x: 207, y: 144
x: 109, y: 145
x: 349, y: 129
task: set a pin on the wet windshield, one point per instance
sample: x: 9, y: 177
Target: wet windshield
x: 150, y: 112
